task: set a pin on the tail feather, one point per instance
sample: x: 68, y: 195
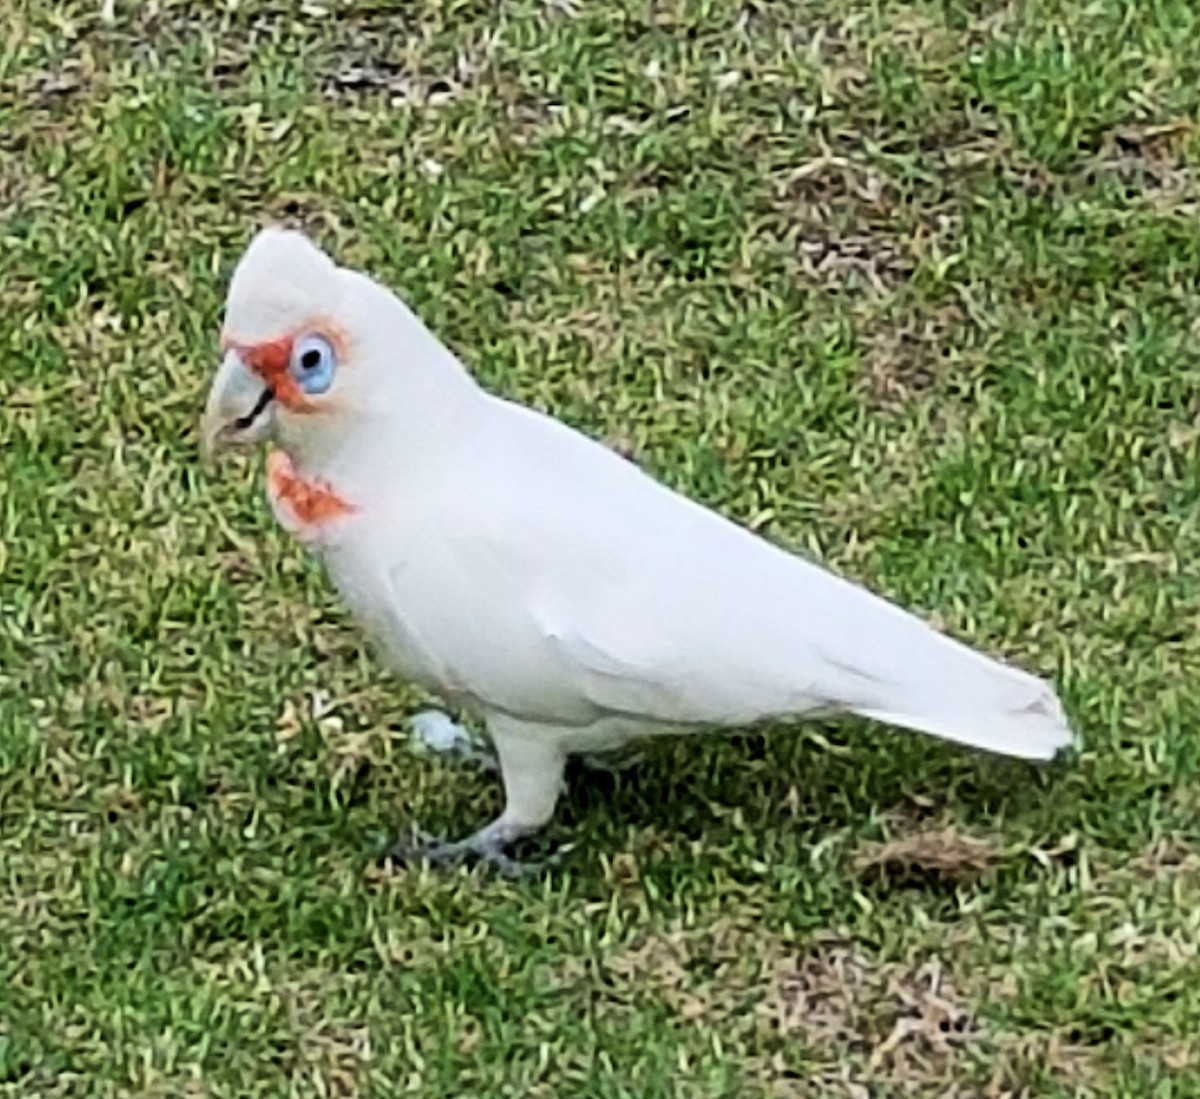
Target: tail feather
x: 1028, y: 723
x: 894, y: 668
x: 1014, y: 734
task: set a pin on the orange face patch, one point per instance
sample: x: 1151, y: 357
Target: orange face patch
x: 311, y: 503
x: 272, y: 362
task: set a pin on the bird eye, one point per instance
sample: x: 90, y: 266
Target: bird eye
x: 313, y: 363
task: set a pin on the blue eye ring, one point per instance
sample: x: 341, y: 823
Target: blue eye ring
x: 313, y: 363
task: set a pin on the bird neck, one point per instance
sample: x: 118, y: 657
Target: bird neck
x: 395, y: 441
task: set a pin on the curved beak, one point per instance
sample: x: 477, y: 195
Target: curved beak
x: 240, y: 409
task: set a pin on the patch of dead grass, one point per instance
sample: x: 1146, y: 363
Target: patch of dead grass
x: 669, y: 966
x: 904, y: 356
x: 905, y: 1020
x: 1150, y: 162
x: 905, y: 1028
x: 850, y: 226
x: 945, y: 853
x: 873, y: 262
x: 832, y: 1019
x: 1166, y: 857
x: 392, y: 56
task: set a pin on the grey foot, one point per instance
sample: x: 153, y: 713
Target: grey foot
x: 488, y: 846
x: 436, y: 732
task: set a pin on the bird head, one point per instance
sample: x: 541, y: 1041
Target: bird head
x: 317, y: 358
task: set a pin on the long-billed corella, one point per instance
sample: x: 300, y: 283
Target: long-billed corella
x: 534, y: 578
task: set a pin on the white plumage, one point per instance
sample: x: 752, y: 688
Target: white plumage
x: 528, y: 573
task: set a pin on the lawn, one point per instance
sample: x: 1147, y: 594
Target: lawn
x: 909, y: 287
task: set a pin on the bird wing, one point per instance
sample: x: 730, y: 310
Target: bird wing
x: 616, y: 592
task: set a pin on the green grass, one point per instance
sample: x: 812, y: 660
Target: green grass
x: 912, y: 287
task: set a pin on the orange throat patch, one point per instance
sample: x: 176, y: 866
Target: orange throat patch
x: 310, y: 503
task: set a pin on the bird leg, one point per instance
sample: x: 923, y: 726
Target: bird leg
x: 531, y: 766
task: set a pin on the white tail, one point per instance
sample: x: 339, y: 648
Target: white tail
x: 972, y: 699
x: 1028, y: 733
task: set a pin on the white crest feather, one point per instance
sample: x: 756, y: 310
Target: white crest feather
x: 282, y: 280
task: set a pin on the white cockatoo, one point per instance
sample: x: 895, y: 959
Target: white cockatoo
x: 529, y: 575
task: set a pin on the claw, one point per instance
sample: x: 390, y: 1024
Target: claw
x: 487, y: 846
